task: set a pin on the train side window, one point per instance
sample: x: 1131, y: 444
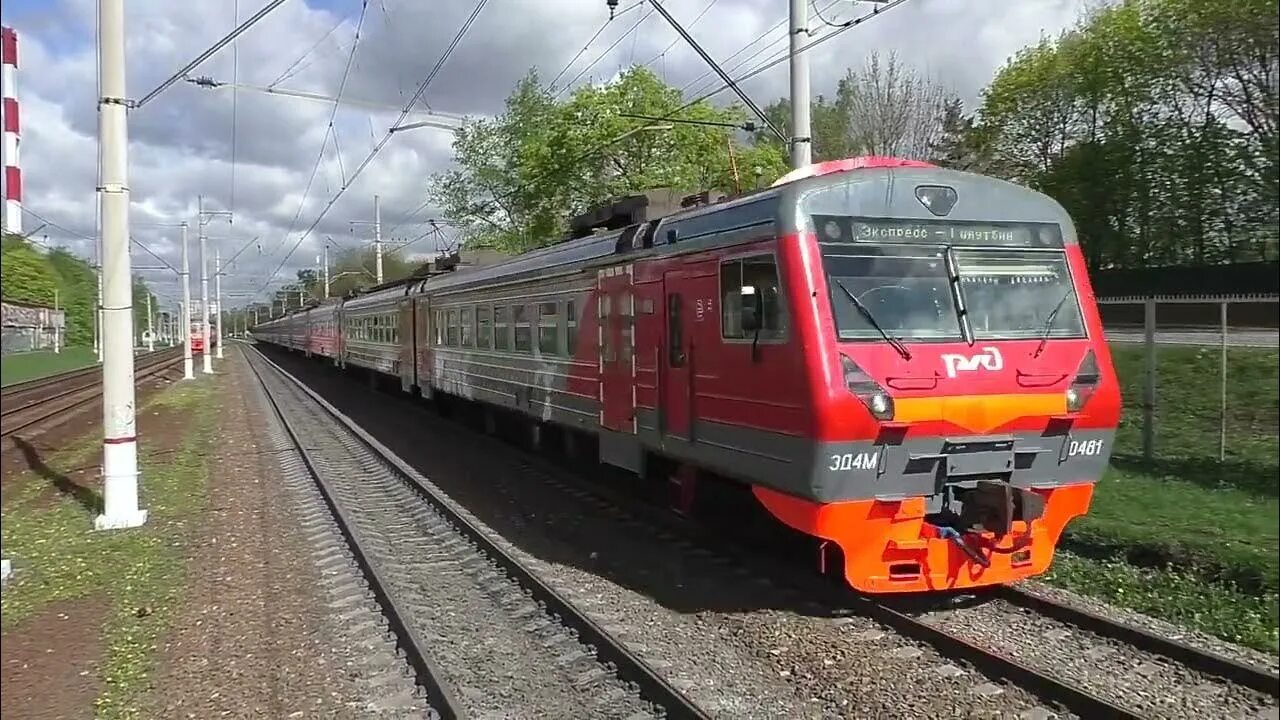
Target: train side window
x: 452, y: 324
x: 437, y: 316
x: 627, y: 311
x: 502, y: 328
x: 760, y: 272
x: 570, y: 326
x: 548, y: 328
x: 468, y: 327
x: 524, y: 334
x: 484, y: 327
x: 675, y: 332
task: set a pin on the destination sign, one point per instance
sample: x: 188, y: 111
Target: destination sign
x: 840, y: 228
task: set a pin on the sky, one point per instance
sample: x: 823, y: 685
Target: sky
x: 185, y: 145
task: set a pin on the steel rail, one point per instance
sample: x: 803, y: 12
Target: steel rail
x: 626, y: 665
x: 426, y: 673
x: 92, y: 391
x: 1207, y: 662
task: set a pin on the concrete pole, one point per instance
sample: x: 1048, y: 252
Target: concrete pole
x: 801, y: 142
x: 326, y: 271
x: 378, y: 240
x: 151, y: 334
x: 97, y: 310
x: 206, y: 364
x: 57, y: 344
x: 217, y: 291
x: 120, y: 444
x: 184, y: 317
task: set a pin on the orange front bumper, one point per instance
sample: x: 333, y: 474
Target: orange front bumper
x: 888, y: 547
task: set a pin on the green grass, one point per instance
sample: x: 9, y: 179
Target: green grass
x: 1177, y: 596
x: 1183, y: 534
x: 20, y: 367
x: 1188, y: 416
x: 140, y: 571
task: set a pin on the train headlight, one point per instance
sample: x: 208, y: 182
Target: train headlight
x: 1084, y: 383
x: 858, y: 382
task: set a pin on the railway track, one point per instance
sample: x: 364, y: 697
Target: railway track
x: 1032, y: 647
x: 44, y: 400
x: 482, y: 633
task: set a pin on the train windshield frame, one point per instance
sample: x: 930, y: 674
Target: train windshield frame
x: 926, y: 281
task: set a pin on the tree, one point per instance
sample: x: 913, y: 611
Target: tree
x: 353, y: 270
x: 1153, y: 122
x: 26, y: 275
x: 885, y: 108
x: 522, y: 175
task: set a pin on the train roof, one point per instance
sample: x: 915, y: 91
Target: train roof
x: 867, y: 187
x: 377, y: 297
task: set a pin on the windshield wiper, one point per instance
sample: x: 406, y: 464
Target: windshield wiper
x: 1048, y: 323
x: 894, y: 342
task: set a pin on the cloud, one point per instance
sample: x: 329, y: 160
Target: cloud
x: 181, y: 143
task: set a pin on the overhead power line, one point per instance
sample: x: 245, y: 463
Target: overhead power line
x: 672, y: 44
x: 606, y: 52
x: 672, y: 116
x: 578, y: 54
x: 417, y: 95
x: 880, y: 10
x: 329, y: 129
x: 780, y: 25
x: 209, y: 53
x: 290, y: 71
x: 719, y: 70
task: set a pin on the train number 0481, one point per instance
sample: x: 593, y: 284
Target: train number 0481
x: 1085, y: 447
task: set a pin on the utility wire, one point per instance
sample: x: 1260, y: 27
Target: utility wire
x: 743, y: 61
x: 880, y: 10
x: 462, y: 32
x: 50, y: 223
x: 333, y: 114
x: 784, y: 55
x: 422, y: 88
x: 672, y: 44
x: 235, y: 96
x: 584, y: 48
x: 578, y: 54
x: 746, y: 99
x: 701, y: 98
x: 208, y: 53
x: 814, y: 4
x: 602, y: 55
x: 290, y: 71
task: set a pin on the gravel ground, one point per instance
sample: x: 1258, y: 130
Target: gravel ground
x: 736, y: 645
x: 1194, y: 638
x: 1144, y: 682
x: 503, y: 656
x: 256, y: 636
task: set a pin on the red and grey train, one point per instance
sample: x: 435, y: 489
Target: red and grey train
x: 901, y: 360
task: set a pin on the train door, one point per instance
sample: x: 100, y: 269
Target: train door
x: 615, y: 307
x: 404, y: 341
x: 423, y: 343
x: 688, y: 296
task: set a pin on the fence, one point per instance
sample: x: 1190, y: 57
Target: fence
x: 30, y: 327
x: 1200, y: 382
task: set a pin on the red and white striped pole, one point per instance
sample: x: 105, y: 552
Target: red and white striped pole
x: 12, y: 132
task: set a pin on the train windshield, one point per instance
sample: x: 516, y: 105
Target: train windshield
x: 1012, y: 294
x: 908, y: 278
x: 906, y: 289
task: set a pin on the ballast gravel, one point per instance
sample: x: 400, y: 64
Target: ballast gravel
x: 1149, y: 684
x: 357, y: 630
x: 735, y: 644
x: 1164, y: 628
x: 498, y: 650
